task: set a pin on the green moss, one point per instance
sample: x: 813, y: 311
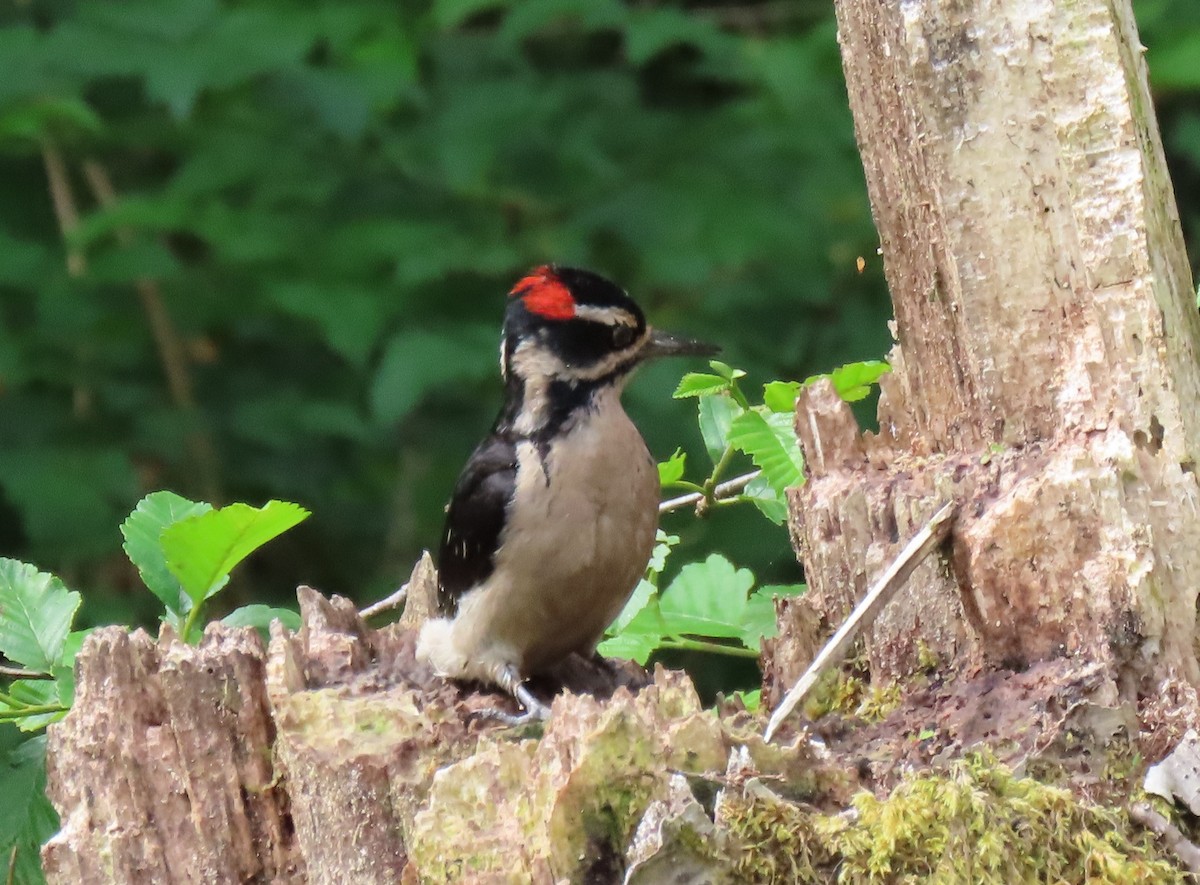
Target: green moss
x: 975, y: 824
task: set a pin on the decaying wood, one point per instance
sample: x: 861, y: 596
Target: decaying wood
x: 921, y: 545
x: 333, y: 756
x: 1045, y: 371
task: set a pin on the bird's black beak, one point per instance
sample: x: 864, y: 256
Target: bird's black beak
x: 665, y: 344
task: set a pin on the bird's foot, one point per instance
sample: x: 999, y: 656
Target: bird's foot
x: 535, y: 710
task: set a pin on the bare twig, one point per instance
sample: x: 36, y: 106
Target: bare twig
x: 171, y: 351
x: 1188, y: 853
x: 726, y: 489
x: 387, y: 604
x: 65, y: 210
x: 922, y: 544
x: 18, y: 673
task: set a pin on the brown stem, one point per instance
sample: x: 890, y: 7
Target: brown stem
x: 65, y: 210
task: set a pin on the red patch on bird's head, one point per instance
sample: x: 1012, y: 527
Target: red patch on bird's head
x: 543, y: 293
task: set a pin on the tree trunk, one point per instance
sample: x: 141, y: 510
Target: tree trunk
x: 1045, y: 369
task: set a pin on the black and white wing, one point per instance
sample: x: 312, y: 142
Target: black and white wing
x: 474, y: 521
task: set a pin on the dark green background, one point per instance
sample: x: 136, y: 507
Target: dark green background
x: 333, y: 198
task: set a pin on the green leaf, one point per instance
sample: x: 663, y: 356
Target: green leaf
x: 780, y: 396
x: 671, y: 470
x: 770, y: 503
x: 853, y: 381
x: 707, y: 599
x: 726, y: 371
x: 758, y: 620
x: 36, y: 611
x: 24, y: 694
x: 202, y: 550
x: 640, y: 635
x: 699, y: 384
x: 770, y: 441
x: 751, y: 700
x: 642, y: 595
x: 64, y: 673
x: 631, y: 645
x: 715, y: 415
x: 662, y: 549
x: 29, y: 818
x: 260, y: 617
x: 143, y: 530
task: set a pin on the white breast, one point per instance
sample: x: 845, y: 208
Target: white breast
x: 579, y: 534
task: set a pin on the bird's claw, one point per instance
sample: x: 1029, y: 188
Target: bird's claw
x: 535, y: 710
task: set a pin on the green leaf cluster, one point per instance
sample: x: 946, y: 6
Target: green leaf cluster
x: 764, y: 432
x: 710, y: 606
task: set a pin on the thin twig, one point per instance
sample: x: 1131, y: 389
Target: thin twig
x: 725, y: 490
x: 922, y: 544
x: 171, y: 351
x: 18, y: 673
x: 65, y: 210
x: 1188, y: 853
x: 387, y: 604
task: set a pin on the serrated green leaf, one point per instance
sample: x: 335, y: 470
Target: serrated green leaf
x: 780, y: 396
x: 706, y: 599
x: 202, y: 550
x: 260, y: 617
x: 853, y: 381
x: 715, y: 415
x: 671, y: 470
x: 770, y: 441
x: 143, y: 530
x: 770, y: 503
x: 699, y: 384
x: 36, y: 611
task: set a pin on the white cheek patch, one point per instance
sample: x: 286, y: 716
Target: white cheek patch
x: 609, y: 316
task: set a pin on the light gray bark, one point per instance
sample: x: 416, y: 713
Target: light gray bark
x: 1044, y: 372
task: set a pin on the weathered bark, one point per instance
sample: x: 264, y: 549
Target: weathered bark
x: 333, y: 757
x: 1044, y: 373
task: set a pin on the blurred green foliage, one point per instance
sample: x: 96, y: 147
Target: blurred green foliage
x: 259, y: 249
x: 290, y: 228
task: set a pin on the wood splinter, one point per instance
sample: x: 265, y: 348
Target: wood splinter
x: 922, y: 544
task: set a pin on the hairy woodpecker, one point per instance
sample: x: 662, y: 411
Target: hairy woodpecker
x: 552, y: 520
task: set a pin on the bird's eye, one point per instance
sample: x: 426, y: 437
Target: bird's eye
x: 623, y: 336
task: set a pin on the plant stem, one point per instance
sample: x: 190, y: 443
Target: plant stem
x: 722, y: 464
x: 724, y: 490
x: 737, y: 651
x: 185, y: 631
x: 684, y: 484
x: 18, y: 673
x: 37, y: 710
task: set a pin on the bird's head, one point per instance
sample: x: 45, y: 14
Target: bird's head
x: 568, y: 324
